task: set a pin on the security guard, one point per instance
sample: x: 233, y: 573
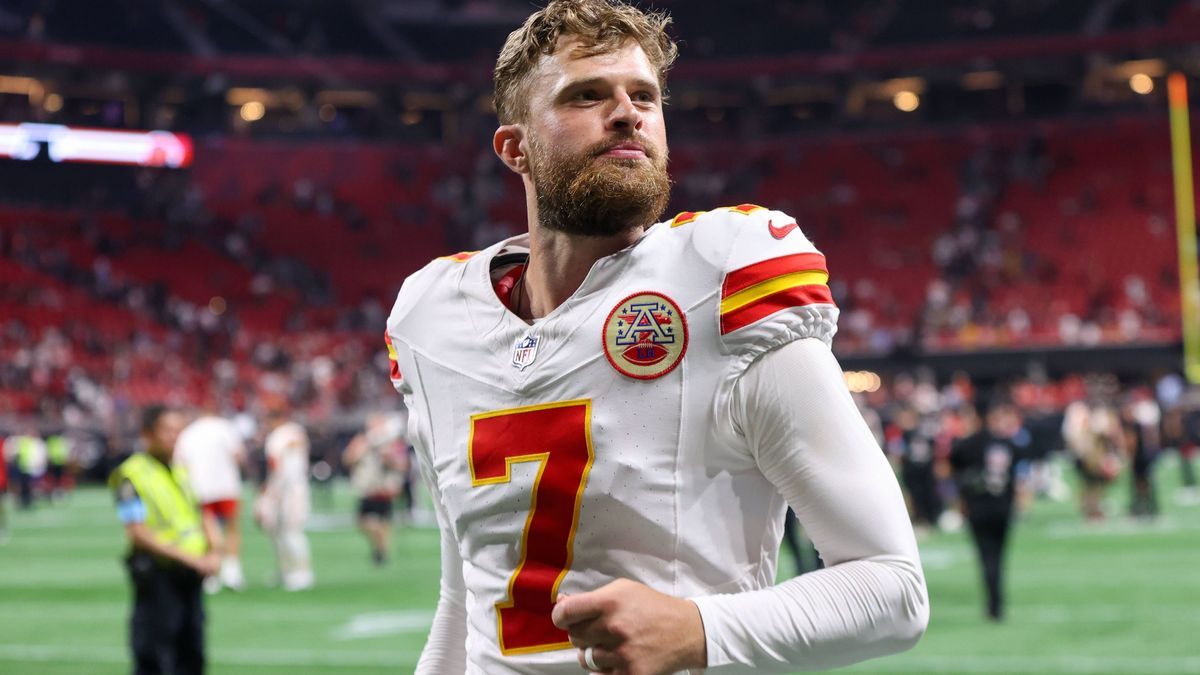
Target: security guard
x: 985, y: 468
x: 170, y: 552
x: 58, y: 454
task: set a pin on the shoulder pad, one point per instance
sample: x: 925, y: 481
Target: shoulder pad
x: 774, y: 282
x: 418, y: 284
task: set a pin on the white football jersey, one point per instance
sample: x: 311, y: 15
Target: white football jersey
x: 286, y: 448
x: 596, y: 444
x: 210, y: 447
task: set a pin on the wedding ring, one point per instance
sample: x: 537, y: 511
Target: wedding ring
x: 590, y: 660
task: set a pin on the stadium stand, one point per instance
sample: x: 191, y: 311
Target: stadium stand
x: 268, y: 265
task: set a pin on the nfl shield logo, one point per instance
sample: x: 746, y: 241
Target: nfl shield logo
x: 525, y: 351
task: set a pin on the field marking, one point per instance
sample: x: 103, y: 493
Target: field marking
x: 1153, y: 665
x: 238, y: 656
x: 940, y: 558
x: 325, y: 614
x: 1061, y: 663
x: 1118, y: 527
x: 328, y: 522
x: 1082, y: 613
x: 357, y: 624
x: 380, y: 624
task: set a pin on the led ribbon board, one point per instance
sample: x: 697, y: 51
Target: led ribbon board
x: 97, y: 146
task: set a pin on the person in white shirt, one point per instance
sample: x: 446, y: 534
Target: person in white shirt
x: 377, y: 459
x: 211, y: 449
x: 612, y: 414
x: 284, y: 503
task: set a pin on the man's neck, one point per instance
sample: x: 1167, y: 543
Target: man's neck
x: 558, y: 264
x: 159, y: 455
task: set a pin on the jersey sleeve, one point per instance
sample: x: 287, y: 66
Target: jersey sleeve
x: 394, y: 373
x: 774, y: 284
x: 810, y: 441
x: 414, y: 289
x: 130, y: 507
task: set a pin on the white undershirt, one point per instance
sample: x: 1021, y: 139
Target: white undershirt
x: 810, y: 441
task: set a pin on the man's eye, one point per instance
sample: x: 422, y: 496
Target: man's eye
x: 588, y: 95
x: 645, y: 97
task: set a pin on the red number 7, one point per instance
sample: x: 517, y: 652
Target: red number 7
x: 558, y: 436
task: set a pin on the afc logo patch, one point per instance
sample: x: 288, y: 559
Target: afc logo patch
x: 645, y: 336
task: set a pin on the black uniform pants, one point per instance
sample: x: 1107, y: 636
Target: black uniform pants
x: 166, y: 630
x: 989, y: 529
x: 922, y: 487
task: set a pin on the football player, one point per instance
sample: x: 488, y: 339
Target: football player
x: 985, y: 468
x: 211, y: 449
x: 612, y: 415
x: 377, y: 459
x: 284, y: 503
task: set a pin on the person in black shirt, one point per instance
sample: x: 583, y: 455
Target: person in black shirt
x: 984, y: 466
x: 1141, y: 419
x: 914, y: 441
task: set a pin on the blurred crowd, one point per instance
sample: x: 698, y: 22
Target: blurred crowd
x: 147, y: 294
x: 86, y: 342
x: 1095, y: 426
x: 1106, y: 431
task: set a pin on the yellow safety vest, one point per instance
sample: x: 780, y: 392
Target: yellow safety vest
x: 26, y: 453
x: 57, y: 450
x: 171, y: 511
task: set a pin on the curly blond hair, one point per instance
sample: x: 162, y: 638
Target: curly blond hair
x: 601, y: 26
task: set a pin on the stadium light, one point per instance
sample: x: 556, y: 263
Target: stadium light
x: 253, y: 111
x: 906, y: 101
x: 982, y: 80
x: 1141, y: 83
x: 863, y: 381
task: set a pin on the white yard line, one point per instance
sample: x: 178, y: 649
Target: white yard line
x: 325, y: 614
x: 1062, y: 663
x: 380, y: 624
x: 228, y: 657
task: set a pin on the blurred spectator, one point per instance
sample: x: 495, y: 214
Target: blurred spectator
x: 985, y: 469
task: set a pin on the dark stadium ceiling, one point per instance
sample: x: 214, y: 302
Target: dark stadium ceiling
x: 386, y: 67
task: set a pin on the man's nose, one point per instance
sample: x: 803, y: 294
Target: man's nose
x: 624, y: 116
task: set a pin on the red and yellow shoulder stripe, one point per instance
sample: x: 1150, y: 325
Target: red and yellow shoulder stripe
x: 393, y: 359
x: 459, y: 257
x: 690, y: 216
x: 759, y: 290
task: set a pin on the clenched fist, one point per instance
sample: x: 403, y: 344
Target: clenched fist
x: 633, y: 629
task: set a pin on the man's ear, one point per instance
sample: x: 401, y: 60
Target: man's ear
x: 508, y: 144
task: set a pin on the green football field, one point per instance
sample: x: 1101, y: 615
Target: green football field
x: 1118, y: 597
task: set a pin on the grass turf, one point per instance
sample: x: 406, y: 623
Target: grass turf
x: 1117, y: 597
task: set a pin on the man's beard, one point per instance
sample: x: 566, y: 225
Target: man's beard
x: 598, y: 197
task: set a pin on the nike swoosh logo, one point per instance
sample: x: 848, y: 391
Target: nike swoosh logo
x: 780, y: 232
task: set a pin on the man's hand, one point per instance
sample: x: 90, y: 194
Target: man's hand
x: 633, y: 629
x: 207, y: 565
x: 264, y: 513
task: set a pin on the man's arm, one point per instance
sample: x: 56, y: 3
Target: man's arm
x: 212, y: 532
x: 354, y: 451
x: 445, y: 651
x: 812, y: 443
x: 809, y: 439
x: 141, y: 538
x: 131, y: 511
